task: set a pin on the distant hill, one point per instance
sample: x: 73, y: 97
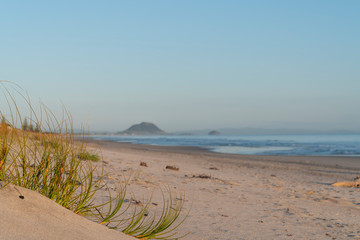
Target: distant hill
x: 144, y: 128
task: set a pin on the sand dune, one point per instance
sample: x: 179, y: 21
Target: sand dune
x: 25, y: 214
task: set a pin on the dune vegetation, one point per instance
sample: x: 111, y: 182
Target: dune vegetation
x: 39, y: 152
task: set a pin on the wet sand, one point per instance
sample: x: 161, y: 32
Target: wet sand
x: 244, y: 196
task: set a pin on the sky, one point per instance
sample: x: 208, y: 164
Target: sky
x: 187, y: 64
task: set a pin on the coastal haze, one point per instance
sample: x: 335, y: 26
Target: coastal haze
x: 188, y: 65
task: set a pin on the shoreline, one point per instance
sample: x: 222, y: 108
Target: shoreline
x: 344, y: 162
x: 274, y: 145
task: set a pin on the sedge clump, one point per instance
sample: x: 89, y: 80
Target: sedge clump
x: 48, y: 160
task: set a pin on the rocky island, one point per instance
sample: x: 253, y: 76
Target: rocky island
x: 144, y: 128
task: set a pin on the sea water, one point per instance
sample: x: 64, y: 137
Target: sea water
x: 301, y: 145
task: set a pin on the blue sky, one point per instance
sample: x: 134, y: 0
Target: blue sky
x: 188, y: 64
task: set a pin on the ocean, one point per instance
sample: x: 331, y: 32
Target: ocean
x: 291, y: 145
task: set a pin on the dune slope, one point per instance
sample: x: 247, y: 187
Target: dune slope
x: 25, y: 214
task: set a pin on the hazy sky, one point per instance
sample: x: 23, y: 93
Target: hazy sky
x: 188, y: 64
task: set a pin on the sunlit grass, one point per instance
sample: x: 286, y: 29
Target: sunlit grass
x: 50, y: 162
x: 88, y: 156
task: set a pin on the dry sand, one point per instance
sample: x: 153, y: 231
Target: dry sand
x: 246, y: 197
x: 27, y: 215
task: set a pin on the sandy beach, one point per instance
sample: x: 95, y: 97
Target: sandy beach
x: 227, y: 196
x: 243, y: 197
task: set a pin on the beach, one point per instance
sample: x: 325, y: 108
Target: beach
x: 242, y: 196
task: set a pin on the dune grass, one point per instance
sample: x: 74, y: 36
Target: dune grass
x: 50, y: 162
x: 88, y: 156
